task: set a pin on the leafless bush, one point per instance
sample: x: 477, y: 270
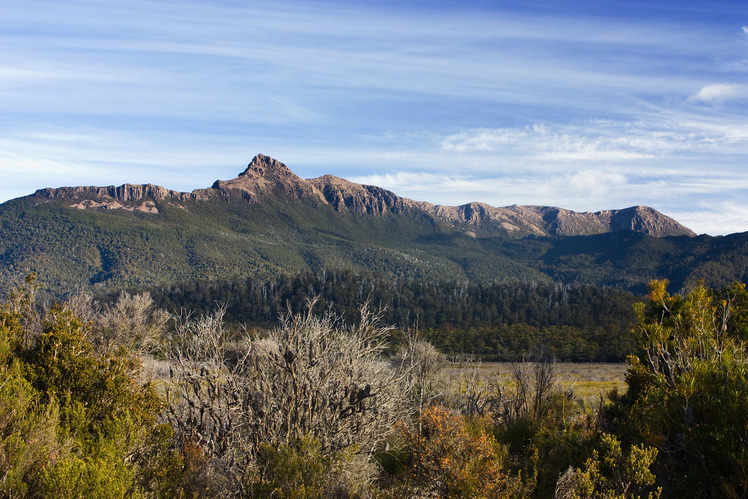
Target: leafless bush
x: 534, y: 384
x: 310, y: 377
x: 420, y: 364
x: 478, y: 396
x: 565, y: 486
x: 527, y: 395
x: 207, y: 395
x: 22, y: 302
x: 314, y: 376
x: 132, y: 322
x: 83, y: 306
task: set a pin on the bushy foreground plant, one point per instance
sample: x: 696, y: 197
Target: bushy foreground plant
x: 301, y: 470
x: 311, y: 378
x: 28, y: 429
x: 611, y: 474
x: 688, y: 390
x: 450, y: 455
x: 73, y: 423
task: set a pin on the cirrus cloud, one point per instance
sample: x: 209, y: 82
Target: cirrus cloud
x: 591, y: 141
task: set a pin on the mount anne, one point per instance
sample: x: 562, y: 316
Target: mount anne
x: 268, y: 222
x: 266, y: 178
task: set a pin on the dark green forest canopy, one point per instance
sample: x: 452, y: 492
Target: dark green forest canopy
x: 490, y: 321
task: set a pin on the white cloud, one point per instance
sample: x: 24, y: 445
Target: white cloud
x: 488, y: 140
x: 730, y: 216
x: 718, y: 93
x: 593, y: 141
x: 596, y: 182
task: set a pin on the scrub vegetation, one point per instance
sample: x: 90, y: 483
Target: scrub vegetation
x: 120, y: 398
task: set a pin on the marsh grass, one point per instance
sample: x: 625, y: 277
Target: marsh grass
x: 587, y: 381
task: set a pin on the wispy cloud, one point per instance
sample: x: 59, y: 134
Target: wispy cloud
x: 483, y: 100
x: 720, y: 93
x: 599, y: 141
x: 541, y: 142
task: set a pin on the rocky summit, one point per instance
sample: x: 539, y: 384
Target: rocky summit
x: 266, y: 178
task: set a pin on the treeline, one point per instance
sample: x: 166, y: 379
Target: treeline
x: 494, y: 322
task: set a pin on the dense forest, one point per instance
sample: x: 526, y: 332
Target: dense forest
x: 504, y: 322
x: 121, y: 398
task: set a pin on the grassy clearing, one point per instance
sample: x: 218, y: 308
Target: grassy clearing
x: 588, y: 381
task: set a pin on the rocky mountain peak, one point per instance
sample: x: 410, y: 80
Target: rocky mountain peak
x: 263, y: 166
x: 267, y: 177
x: 647, y: 221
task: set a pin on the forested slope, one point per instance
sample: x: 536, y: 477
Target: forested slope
x: 229, y: 238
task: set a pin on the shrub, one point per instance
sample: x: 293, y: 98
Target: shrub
x: 611, y: 474
x: 687, y: 389
x: 454, y: 456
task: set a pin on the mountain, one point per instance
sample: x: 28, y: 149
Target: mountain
x: 266, y: 178
x: 269, y: 221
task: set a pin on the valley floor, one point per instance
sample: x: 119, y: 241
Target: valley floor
x: 587, y: 381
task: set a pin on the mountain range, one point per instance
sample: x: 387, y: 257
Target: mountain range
x: 269, y: 221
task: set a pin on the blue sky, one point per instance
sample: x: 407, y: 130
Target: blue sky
x: 585, y: 105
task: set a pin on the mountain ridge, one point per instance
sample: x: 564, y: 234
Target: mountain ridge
x: 269, y: 222
x: 267, y: 177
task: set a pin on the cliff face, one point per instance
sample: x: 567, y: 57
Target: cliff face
x: 647, y: 221
x: 550, y: 221
x: 362, y: 199
x: 129, y: 197
x: 266, y: 178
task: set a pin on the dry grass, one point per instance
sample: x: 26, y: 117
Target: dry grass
x: 587, y: 381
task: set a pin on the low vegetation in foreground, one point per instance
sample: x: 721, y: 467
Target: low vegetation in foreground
x: 122, y: 399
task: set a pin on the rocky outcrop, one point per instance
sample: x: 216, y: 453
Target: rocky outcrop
x: 552, y: 221
x: 123, y: 193
x: 131, y: 197
x: 266, y: 179
x: 357, y: 198
x: 511, y: 220
x: 647, y: 221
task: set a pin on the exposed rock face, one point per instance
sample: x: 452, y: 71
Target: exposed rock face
x: 546, y: 220
x: 517, y: 220
x: 90, y: 204
x: 123, y: 193
x: 129, y: 197
x: 266, y: 178
x: 357, y: 198
x: 648, y: 221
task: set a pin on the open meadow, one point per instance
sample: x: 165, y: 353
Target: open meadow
x: 587, y: 381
